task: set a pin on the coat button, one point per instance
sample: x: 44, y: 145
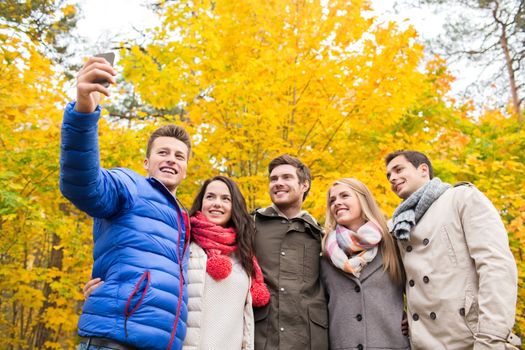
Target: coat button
x: 359, y: 317
x: 282, y: 289
x: 425, y: 241
x: 409, y: 248
x: 283, y: 253
x: 411, y: 283
x: 426, y: 279
x: 415, y: 317
x: 360, y: 347
x: 282, y: 329
x: 283, y: 221
x: 462, y: 311
x: 433, y: 315
x: 357, y: 289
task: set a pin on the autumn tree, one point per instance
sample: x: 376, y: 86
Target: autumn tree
x: 38, y: 285
x: 491, y: 35
x: 45, y: 22
x: 256, y: 79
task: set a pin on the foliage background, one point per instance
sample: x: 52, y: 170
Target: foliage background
x: 325, y: 81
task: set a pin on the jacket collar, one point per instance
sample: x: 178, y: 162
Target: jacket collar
x: 270, y: 212
x: 181, y: 210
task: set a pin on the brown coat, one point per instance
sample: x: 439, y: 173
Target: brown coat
x: 288, y: 251
x: 461, y: 276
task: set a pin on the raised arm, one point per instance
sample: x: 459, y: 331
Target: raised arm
x: 96, y: 191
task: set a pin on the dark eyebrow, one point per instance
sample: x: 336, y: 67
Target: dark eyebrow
x: 395, y: 167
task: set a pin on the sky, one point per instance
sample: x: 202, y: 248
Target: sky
x: 104, y: 23
x: 125, y: 18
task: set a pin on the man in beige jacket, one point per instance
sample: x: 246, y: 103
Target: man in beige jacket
x: 461, y: 276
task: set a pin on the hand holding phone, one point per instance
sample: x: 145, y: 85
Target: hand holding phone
x: 93, y: 80
x: 110, y: 57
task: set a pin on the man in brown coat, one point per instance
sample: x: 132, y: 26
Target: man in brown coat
x: 461, y: 276
x: 288, y: 247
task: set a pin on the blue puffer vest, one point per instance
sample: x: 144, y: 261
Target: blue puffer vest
x: 140, y: 246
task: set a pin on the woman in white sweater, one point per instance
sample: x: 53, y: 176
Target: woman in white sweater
x: 224, y: 278
x: 223, y: 273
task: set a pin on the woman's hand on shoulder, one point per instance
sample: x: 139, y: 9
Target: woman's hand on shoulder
x: 91, y: 286
x: 404, y: 325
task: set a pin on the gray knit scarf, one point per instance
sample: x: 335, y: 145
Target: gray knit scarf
x: 409, y: 212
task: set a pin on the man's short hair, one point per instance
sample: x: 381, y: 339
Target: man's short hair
x: 303, y: 173
x: 414, y: 157
x: 169, y: 130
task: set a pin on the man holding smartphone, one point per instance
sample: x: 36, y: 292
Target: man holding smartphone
x: 140, y: 232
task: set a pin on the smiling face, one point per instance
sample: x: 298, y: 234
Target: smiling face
x: 285, y: 189
x: 404, y: 177
x: 217, y: 203
x: 168, y: 161
x: 345, y: 207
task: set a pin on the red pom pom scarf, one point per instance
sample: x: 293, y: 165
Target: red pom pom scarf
x: 219, y: 243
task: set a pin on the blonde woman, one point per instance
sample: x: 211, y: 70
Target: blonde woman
x: 361, y: 272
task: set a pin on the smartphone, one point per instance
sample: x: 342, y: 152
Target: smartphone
x: 110, y: 57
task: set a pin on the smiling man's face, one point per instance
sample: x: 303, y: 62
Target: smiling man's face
x: 285, y: 188
x: 168, y: 161
x: 404, y: 177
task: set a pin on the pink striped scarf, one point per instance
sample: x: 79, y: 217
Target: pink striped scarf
x: 351, y: 251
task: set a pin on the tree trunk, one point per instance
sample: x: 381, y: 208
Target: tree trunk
x: 510, y: 70
x: 42, y: 333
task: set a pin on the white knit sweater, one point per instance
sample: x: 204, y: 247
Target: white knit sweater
x: 220, y: 314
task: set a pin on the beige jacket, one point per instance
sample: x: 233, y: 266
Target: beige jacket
x: 461, y: 276
x: 197, y: 278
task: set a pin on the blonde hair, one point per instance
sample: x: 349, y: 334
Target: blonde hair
x: 371, y: 212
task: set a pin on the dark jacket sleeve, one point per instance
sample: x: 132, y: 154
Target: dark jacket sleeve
x: 99, y: 192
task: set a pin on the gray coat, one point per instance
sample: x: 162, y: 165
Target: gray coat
x: 363, y: 313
